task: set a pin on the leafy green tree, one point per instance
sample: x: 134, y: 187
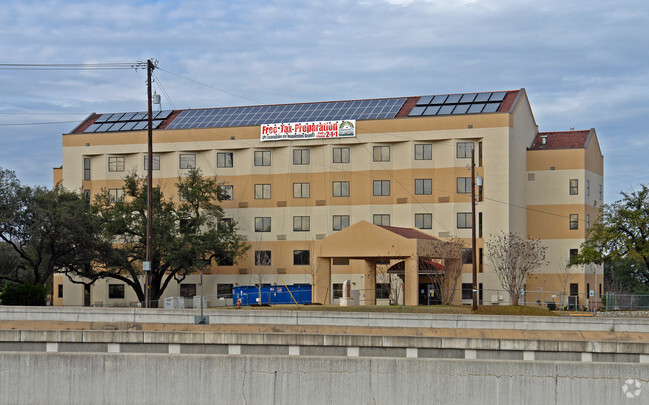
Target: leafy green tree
x: 621, y: 236
x: 45, y: 230
x: 187, y: 236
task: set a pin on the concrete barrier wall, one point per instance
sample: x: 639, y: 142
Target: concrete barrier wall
x: 368, y: 319
x: 90, y: 378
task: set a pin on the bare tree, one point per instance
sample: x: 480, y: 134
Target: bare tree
x: 389, y: 283
x: 514, y: 258
x: 446, y: 277
x: 565, y: 271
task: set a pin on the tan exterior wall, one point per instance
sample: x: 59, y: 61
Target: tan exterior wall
x: 511, y: 203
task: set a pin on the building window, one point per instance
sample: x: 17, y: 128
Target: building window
x: 479, y: 224
x: 587, y: 221
x: 340, y: 222
x: 423, y: 186
x: 262, y: 191
x: 574, y: 186
x: 480, y: 261
x: 86, y: 169
x: 262, y: 257
x: 116, y: 291
x: 424, y: 221
x: 600, y: 191
x: 381, y: 219
x: 224, y: 290
x: 341, y: 155
x: 60, y: 292
x: 116, y: 164
x: 573, y: 253
x: 156, y: 162
x: 381, y: 187
x: 262, y: 158
x: 187, y: 290
x: 340, y: 261
x: 223, y: 258
x: 424, y: 151
x: 301, y: 190
x: 301, y: 257
x: 382, y: 291
x: 224, y: 159
x: 467, y: 256
x: 86, y: 194
x: 574, y: 221
x: 587, y: 187
x: 227, y: 192
x: 115, y: 195
x: 301, y: 224
x: 188, y: 161
x: 341, y: 189
x: 262, y: 224
x: 301, y: 156
x: 463, y: 185
x: 337, y: 291
x: 464, y: 149
x: 467, y: 291
x: 381, y: 154
x: 464, y: 220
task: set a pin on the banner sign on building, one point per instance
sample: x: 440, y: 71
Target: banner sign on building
x: 308, y: 130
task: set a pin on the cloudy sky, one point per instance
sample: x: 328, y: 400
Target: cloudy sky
x: 584, y: 64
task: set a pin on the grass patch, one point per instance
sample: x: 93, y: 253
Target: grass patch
x: 514, y: 310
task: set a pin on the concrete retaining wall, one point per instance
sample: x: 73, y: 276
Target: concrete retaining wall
x: 368, y: 319
x: 66, y: 378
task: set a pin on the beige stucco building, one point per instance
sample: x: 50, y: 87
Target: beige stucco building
x: 398, y: 162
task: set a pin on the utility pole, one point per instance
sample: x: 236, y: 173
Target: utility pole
x: 473, y: 240
x: 146, y: 266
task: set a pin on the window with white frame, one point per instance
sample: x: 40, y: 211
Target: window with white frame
x: 424, y: 221
x: 574, y: 221
x: 381, y: 154
x: 341, y: 155
x: 424, y: 151
x: 301, y: 190
x: 301, y: 223
x: 381, y: 187
x: 262, y: 191
x: 340, y: 188
x: 116, y: 163
x: 301, y: 156
x: 340, y: 222
x: 187, y: 160
x: 423, y: 186
x: 224, y: 159
x: 262, y: 158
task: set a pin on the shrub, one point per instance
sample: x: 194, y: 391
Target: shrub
x: 23, y: 294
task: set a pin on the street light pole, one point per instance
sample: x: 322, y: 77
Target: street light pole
x: 473, y: 240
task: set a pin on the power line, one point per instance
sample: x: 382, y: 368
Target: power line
x: 207, y: 85
x: 71, y: 66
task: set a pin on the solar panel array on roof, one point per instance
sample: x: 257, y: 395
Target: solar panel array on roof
x: 451, y: 104
x: 273, y: 114
x: 131, y: 121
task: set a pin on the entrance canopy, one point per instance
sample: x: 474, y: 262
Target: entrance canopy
x: 372, y: 243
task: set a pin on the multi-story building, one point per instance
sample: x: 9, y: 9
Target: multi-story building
x: 396, y: 163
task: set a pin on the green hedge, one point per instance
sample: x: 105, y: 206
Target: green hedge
x: 23, y: 294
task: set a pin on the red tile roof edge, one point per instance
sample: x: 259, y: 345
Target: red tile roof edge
x: 408, y: 233
x: 573, y: 139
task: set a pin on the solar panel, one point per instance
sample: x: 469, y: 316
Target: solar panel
x: 446, y: 109
x: 482, y: 97
x: 461, y: 109
x: 424, y: 100
x: 257, y: 115
x: 432, y: 110
x: 467, y: 98
x: 500, y: 96
x: 491, y: 107
x: 453, y: 98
